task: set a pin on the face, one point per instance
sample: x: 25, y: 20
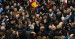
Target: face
x: 59, y: 13
x: 40, y: 12
x: 4, y: 29
x: 54, y: 7
x: 37, y: 15
x: 3, y: 24
x: 42, y: 7
x: 12, y: 7
x: 11, y: 12
x: 58, y: 10
x: 7, y: 7
x: 70, y: 20
x: 15, y: 9
x: 29, y: 22
x: 37, y: 22
x: 14, y: 4
x: 33, y: 17
x: 27, y: 2
x: 45, y: 20
x: 42, y: 28
x: 12, y: 22
x: 40, y: 18
x: 17, y: 16
x: 23, y: 13
x: 25, y: 22
x: 18, y: 4
x: 33, y: 24
x: 50, y: 10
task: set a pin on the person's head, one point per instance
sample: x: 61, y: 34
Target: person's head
x: 61, y: 23
x: 18, y: 4
x: 73, y: 24
x: 54, y: 7
x: 40, y: 13
x: 3, y: 28
x: 12, y: 21
x: 10, y: 28
x: 7, y: 7
x: 63, y: 18
x: 15, y: 4
x: 37, y: 15
x: 11, y: 13
x: 42, y: 28
x: 39, y: 37
x: 29, y: 22
x: 23, y: 13
x: 33, y: 23
x: 25, y: 22
x: 17, y: 16
x: 3, y: 24
x: 50, y: 10
x: 33, y: 17
x: 3, y: 16
x: 67, y: 11
x: 71, y: 36
x: 59, y: 13
x: 58, y: 10
x: 52, y: 27
x: 45, y: 3
x: 46, y: 12
x: 15, y: 9
x: 19, y: 21
x: 69, y: 2
x: 42, y: 7
x: 27, y: 2
x: 44, y: 37
x: 37, y: 21
x: 40, y: 18
x: 59, y: 27
x: 12, y: 1
x: 41, y: 24
x: 70, y: 20
x: 45, y: 20
x: 12, y: 7
x: 33, y: 34
x: 21, y: 9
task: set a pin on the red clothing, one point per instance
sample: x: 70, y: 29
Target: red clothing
x: 50, y: 5
x: 65, y: 4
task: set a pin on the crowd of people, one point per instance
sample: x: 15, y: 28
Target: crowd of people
x: 18, y: 20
